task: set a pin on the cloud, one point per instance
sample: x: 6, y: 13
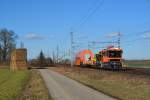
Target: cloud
x: 146, y: 36
x: 34, y: 37
x: 112, y: 35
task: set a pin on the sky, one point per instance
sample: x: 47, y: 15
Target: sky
x: 44, y: 24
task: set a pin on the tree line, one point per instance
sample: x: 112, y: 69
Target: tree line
x: 42, y: 61
x: 8, y: 44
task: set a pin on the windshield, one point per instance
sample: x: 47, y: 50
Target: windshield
x: 115, y: 53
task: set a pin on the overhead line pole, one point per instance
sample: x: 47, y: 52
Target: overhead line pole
x: 53, y: 56
x: 119, y: 39
x: 21, y: 45
x: 57, y: 49
x: 72, y: 48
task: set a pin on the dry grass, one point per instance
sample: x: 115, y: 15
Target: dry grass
x: 35, y: 89
x: 116, y: 84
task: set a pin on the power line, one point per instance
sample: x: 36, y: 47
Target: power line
x: 137, y: 33
x: 92, y: 45
x: 133, y: 40
x: 91, y: 11
x: 84, y: 19
x: 95, y: 42
x: 118, y: 42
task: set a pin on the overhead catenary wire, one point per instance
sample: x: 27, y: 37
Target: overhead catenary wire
x: 84, y: 19
x: 137, y: 33
x: 135, y: 39
x: 91, y: 11
x: 139, y: 38
x: 128, y: 41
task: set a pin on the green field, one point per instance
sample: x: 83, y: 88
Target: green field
x: 137, y: 63
x: 12, y: 83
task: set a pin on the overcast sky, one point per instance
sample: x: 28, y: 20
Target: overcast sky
x: 42, y: 24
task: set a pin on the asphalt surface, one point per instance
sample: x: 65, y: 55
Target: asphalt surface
x: 63, y: 88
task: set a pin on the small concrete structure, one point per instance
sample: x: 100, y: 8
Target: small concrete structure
x: 19, y: 59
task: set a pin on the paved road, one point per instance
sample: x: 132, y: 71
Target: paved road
x: 63, y: 88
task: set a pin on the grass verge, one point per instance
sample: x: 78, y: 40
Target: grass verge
x: 35, y: 89
x: 12, y: 83
x: 120, y: 85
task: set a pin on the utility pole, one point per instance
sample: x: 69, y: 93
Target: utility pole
x: 57, y: 56
x: 89, y: 45
x: 53, y: 57
x: 21, y: 45
x: 72, y: 49
x: 119, y: 39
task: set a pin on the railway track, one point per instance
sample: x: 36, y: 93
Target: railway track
x: 139, y: 71
x: 128, y: 70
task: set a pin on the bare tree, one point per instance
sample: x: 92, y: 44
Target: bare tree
x: 7, y: 43
x: 49, y: 61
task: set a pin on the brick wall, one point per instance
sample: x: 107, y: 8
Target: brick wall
x: 19, y: 59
